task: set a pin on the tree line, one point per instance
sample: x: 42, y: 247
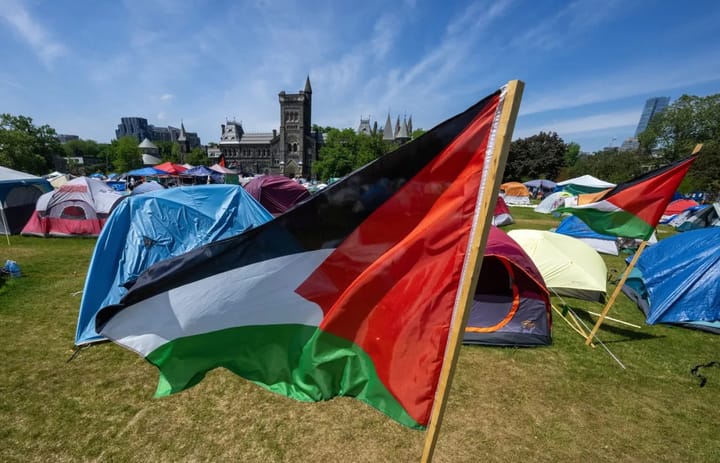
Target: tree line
x: 670, y: 136
x: 34, y: 149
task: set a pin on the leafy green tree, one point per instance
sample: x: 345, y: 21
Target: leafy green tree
x: 197, y: 157
x: 673, y: 134
x: 125, y: 154
x: 26, y: 147
x: 538, y: 156
x: 417, y: 132
x: 345, y: 151
x: 611, y: 165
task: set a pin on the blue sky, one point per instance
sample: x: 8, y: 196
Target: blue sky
x: 588, y: 65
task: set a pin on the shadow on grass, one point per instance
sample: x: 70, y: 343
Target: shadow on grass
x: 626, y: 334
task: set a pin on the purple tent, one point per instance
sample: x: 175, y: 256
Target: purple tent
x: 276, y: 192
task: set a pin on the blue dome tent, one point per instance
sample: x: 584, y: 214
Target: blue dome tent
x: 151, y: 227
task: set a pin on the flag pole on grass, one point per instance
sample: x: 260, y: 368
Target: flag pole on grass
x: 670, y: 178
x: 491, y: 183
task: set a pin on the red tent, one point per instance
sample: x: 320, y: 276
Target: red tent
x: 679, y: 205
x: 511, y: 306
x: 276, y: 193
x: 502, y: 215
x: 170, y: 168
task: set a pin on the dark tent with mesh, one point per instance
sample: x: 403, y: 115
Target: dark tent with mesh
x: 18, y: 194
x: 511, y: 306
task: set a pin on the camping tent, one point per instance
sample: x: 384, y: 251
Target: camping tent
x: 515, y: 193
x: 501, y: 216
x: 678, y: 280
x: 709, y: 216
x: 568, y: 266
x: 146, y: 187
x: 276, y: 192
x: 573, y: 226
x: 511, y: 306
x: 583, y: 184
x: 152, y: 227
x: 18, y: 194
x: 552, y: 202
x: 80, y: 207
x: 676, y: 207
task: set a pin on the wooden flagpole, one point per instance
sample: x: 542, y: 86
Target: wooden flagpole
x: 603, y: 314
x: 615, y: 293
x: 478, y: 240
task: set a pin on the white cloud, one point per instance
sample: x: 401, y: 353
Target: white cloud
x: 167, y: 97
x: 162, y: 116
x: 582, y: 125
x: 637, y: 80
x: 40, y: 40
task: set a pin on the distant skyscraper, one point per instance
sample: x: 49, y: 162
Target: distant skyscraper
x: 653, y: 106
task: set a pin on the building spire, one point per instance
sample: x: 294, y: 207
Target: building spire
x: 308, y: 88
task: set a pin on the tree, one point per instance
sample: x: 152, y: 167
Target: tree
x: 672, y: 135
x: 126, y: 154
x: 88, y: 150
x: 197, y: 157
x: 611, y: 165
x: 538, y: 156
x: 344, y: 151
x: 26, y: 147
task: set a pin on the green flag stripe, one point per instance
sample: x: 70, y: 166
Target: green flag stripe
x: 298, y: 361
x: 617, y: 223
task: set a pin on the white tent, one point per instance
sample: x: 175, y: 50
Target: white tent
x: 552, y: 202
x: 584, y: 184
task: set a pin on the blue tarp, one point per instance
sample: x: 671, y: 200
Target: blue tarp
x: 572, y: 226
x: 146, y: 172
x: 677, y: 280
x: 149, y: 228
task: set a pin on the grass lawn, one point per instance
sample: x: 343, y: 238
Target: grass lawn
x: 562, y: 403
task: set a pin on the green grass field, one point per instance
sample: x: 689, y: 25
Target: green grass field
x: 562, y: 403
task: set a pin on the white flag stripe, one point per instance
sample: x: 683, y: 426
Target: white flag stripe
x: 266, y: 291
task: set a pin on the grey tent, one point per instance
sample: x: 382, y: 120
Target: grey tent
x: 18, y: 194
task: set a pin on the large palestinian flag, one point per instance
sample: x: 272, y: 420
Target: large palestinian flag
x: 350, y: 293
x: 633, y: 209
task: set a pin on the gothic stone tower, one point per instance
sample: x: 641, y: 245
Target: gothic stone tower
x: 296, y: 146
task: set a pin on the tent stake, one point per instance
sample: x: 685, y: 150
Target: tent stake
x: 615, y: 293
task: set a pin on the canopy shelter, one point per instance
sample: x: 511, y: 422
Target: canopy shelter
x: 223, y: 170
x: 149, y: 228
x: 204, y: 173
x: 511, y: 306
x: 515, y: 193
x: 568, y: 266
x: 78, y: 208
x: 146, y: 172
x: 677, y: 281
x: 276, y: 193
x: 146, y: 187
x: 170, y: 168
x: 540, y: 187
x: 584, y: 184
x: 18, y: 194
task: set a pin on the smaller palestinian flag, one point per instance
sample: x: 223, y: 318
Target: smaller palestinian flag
x: 633, y: 209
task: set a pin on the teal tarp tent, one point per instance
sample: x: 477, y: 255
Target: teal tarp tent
x: 151, y: 227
